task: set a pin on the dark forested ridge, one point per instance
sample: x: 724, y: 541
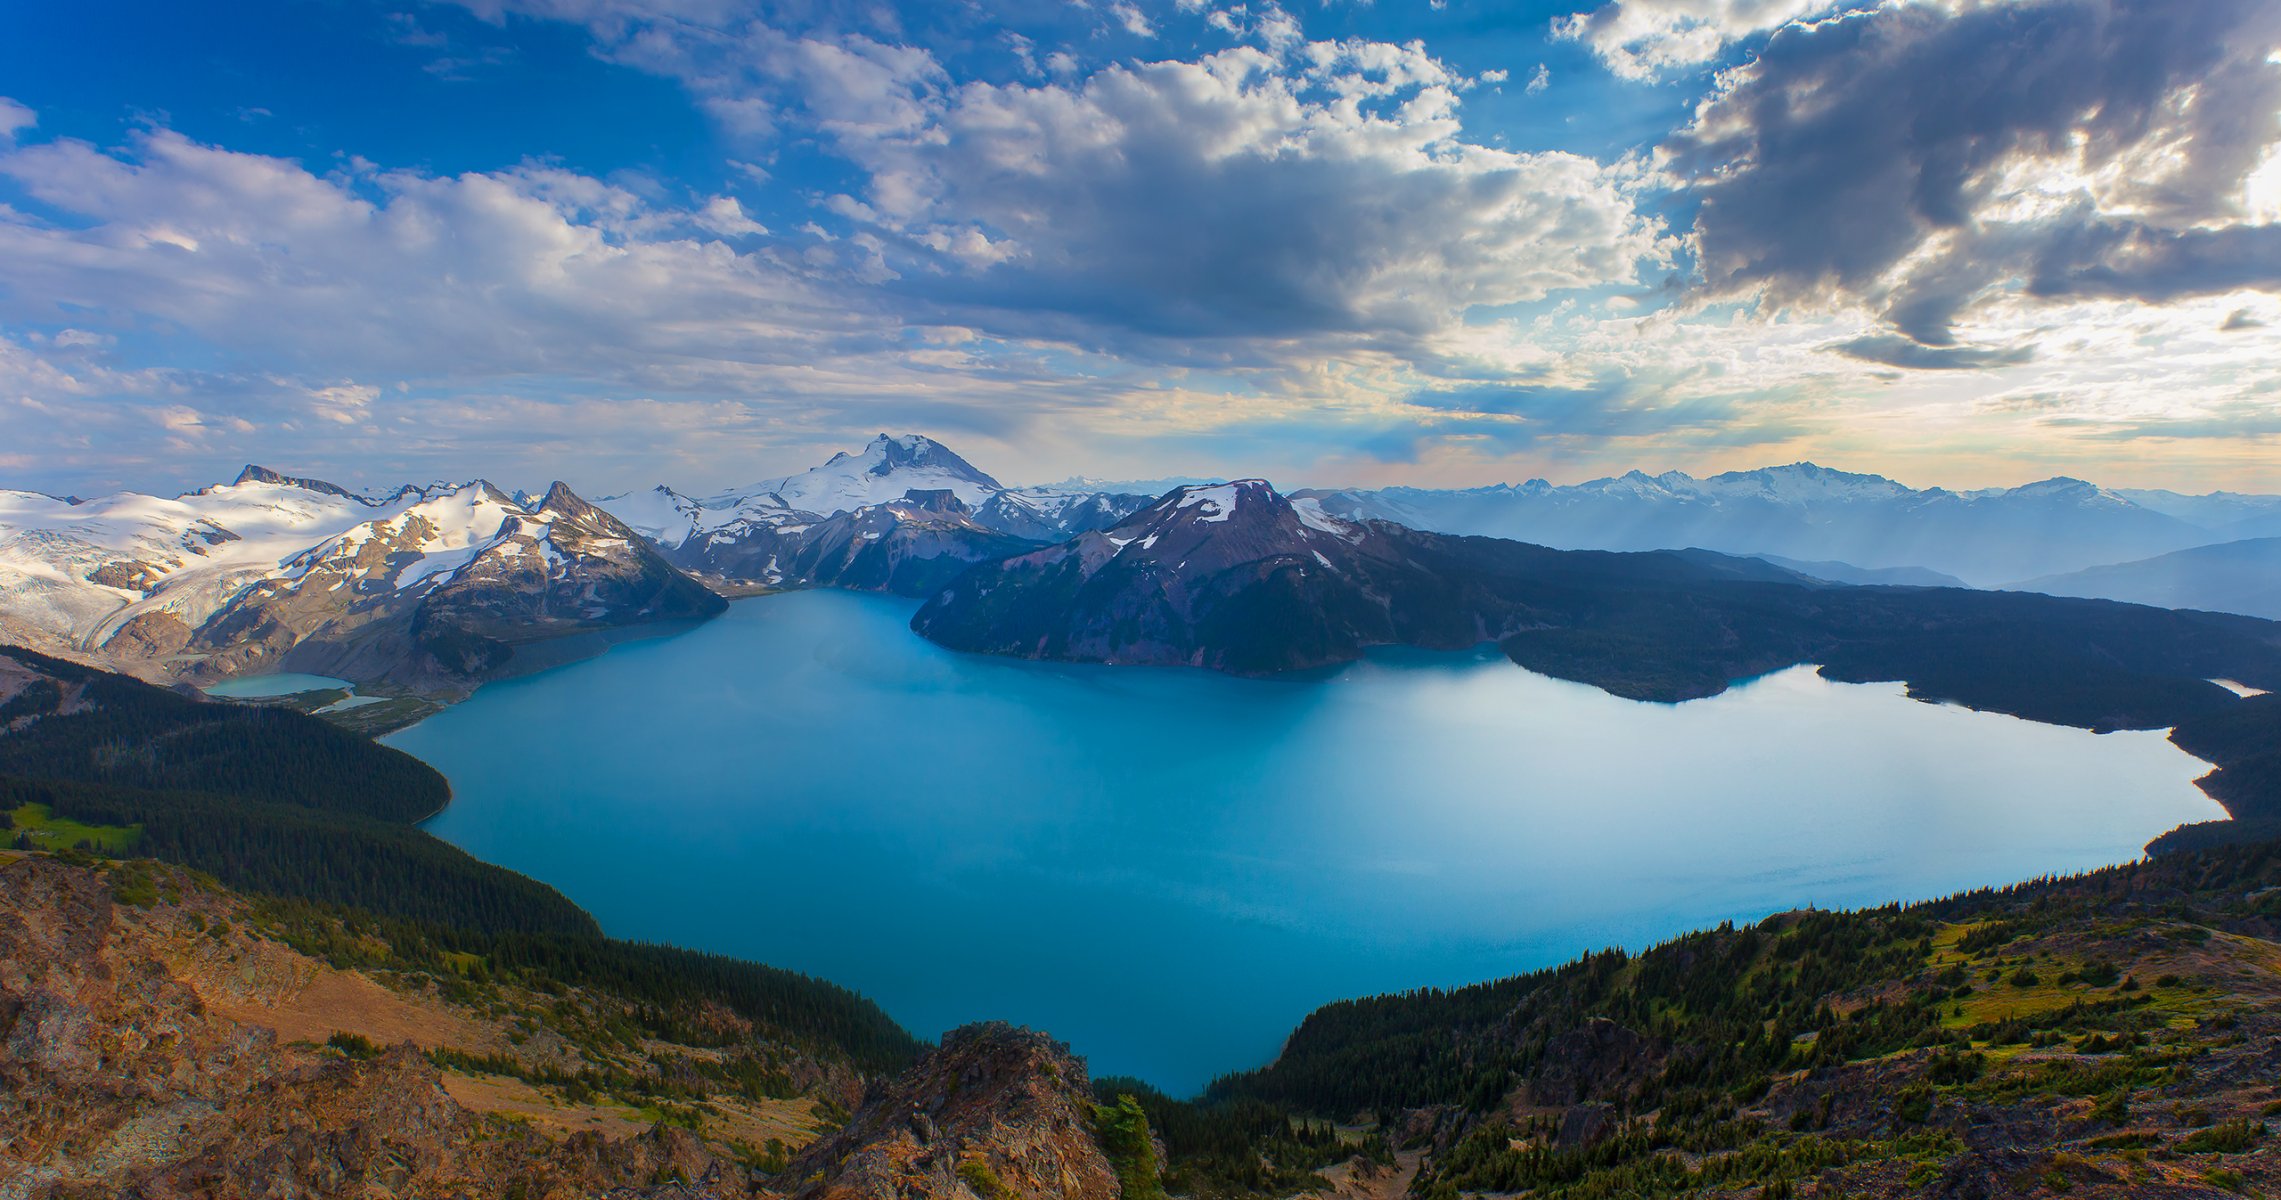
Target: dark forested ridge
x: 1238, y: 578
x: 2085, y: 1035
x: 96, y: 727
x: 282, y: 805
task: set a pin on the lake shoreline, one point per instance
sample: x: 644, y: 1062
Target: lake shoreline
x: 755, y: 697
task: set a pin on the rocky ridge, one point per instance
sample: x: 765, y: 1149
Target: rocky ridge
x: 160, y: 1037
x: 139, y: 1049
x: 996, y: 1112
x: 430, y: 589
x: 905, y: 514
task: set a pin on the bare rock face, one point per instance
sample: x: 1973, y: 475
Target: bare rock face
x: 1600, y: 1060
x: 117, y: 1080
x: 909, y: 546
x: 150, y: 636
x: 996, y: 1113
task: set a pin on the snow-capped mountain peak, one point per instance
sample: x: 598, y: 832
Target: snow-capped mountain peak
x: 884, y: 470
x: 1805, y: 483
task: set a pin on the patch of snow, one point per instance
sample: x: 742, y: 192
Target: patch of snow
x: 2238, y: 688
x: 660, y: 514
x: 442, y: 562
x: 1217, y: 502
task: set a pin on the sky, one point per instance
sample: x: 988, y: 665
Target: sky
x: 1436, y: 242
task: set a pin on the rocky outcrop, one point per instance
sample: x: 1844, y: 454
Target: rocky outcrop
x: 122, y: 1081
x: 996, y: 1113
x: 908, y: 546
x: 436, y: 598
x: 1599, y: 1060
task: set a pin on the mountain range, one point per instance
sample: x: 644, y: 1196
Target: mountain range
x: 432, y: 589
x: 429, y: 588
x: 904, y: 514
x: 1986, y: 538
x: 2236, y: 577
x: 1238, y: 577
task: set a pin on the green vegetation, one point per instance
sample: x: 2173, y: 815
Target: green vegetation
x: 319, y: 821
x: 291, y: 850
x: 976, y: 1174
x: 353, y: 1045
x: 128, y: 734
x: 1122, y: 1129
x: 2232, y: 1137
x: 1240, y: 1147
x: 1759, y: 1057
x: 36, y: 827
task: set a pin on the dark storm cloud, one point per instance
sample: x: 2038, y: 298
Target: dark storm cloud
x: 1848, y: 146
x: 1896, y: 351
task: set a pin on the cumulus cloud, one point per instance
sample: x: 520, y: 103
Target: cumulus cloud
x: 523, y: 271
x: 1240, y: 205
x: 444, y: 322
x: 1245, y: 194
x: 1643, y: 39
x: 14, y: 119
x: 1922, y: 162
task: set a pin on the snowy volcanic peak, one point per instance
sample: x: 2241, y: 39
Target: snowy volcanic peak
x: 884, y: 470
x: 755, y: 533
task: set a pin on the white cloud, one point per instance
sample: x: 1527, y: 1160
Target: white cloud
x: 1643, y: 39
x: 1134, y: 20
x: 516, y: 272
x: 1240, y: 204
x: 1244, y: 195
x: 14, y: 119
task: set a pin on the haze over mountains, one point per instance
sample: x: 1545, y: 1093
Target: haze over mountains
x: 1987, y: 538
x: 432, y: 587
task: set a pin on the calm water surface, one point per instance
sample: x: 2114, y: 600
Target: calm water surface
x: 283, y: 683
x: 1169, y: 868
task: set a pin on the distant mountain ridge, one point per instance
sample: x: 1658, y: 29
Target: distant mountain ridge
x: 1238, y: 577
x: 2238, y: 577
x: 431, y: 587
x: 904, y: 514
x: 1811, y: 513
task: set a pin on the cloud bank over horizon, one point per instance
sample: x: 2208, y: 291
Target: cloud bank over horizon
x: 621, y: 242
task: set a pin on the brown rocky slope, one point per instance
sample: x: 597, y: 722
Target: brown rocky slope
x: 161, y: 1037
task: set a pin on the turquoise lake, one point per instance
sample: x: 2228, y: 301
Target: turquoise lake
x: 1169, y: 868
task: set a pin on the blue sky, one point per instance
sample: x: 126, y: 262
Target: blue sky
x: 619, y: 242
